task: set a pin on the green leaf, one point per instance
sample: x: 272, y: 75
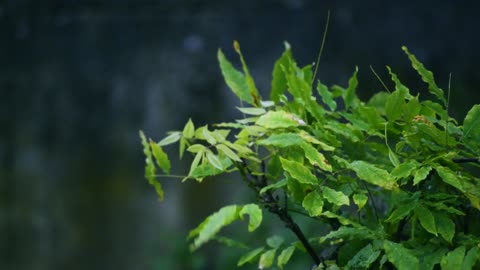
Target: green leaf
x: 275, y: 241
x: 279, y: 82
x: 252, y: 89
x: 228, y: 152
x: 426, y: 218
x: 279, y: 119
x: 213, y: 160
x: 298, y: 171
x: 335, y: 197
x: 360, y: 200
x: 213, y: 224
x: 398, y: 85
x: 421, y: 174
x: 445, y: 226
x: 327, y: 96
x: 454, y: 259
x: 473, y: 255
x: 275, y: 185
x: 207, y: 169
x: 350, y: 98
x: 252, y: 111
x: 364, y: 258
x: 449, y: 177
x: 161, y: 157
x: 255, y: 214
x: 427, y: 76
x: 150, y: 170
x: 313, y: 203
x: 316, y: 158
x: 266, y: 259
x: 196, y: 161
x: 182, y: 145
x: 208, y: 136
x: 195, y: 148
x: 373, y: 175
x: 393, y: 158
x: 189, y: 130
x: 285, y: 256
x: 348, y: 233
x: 405, y: 169
x: 282, y: 140
x: 402, y: 211
x: 235, y: 80
x: 395, y: 105
x: 401, y: 257
x: 309, y: 138
x: 172, y: 138
x: 230, y: 242
x: 250, y: 256
x: 471, y: 129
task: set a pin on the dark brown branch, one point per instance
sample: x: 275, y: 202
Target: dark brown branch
x: 273, y: 205
x: 466, y: 160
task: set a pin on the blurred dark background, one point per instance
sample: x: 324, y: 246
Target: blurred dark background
x: 78, y: 79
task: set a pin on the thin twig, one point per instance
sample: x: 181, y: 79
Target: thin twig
x: 317, y: 64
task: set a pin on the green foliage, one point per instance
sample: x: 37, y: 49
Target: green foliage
x: 390, y: 182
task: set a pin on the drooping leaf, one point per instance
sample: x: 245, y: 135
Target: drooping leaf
x: 279, y: 119
x: 266, y: 259
x: 445, y: 226
x: 172, y: 138
x: 421, y: 174
x: 347, y: 233
x: 150, y: 170
x: 275, y: 241
x: 229, y: 242
x: 214, y: 160
x: 250, y: 256
x: 279, y: 82
x: 161, y: 157
x: 426, y: 218
x: 316, y: 158
x: 298, y: 171
x: 235, y: 80
x: 453, y: 260
x: 275, y: 185
x: 335, y: 197
x: 364, y: 258
x: 360, y: 200
x: 427, y: 76
x: 398, y: 85
x: 471, y: 129
x: 285, y: 256
x: 213, y: 224
x: 401, y: 257
x: 189, y: 130
x: 255, y: 214
x: 373, y: 175
x: 313, y: 203
x: 208, y: 136
x: 405, y: 169
x: 327, y: 96
x: 393, y: 157
x: 195, y: 148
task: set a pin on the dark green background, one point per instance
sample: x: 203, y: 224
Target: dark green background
x: 78, y: 79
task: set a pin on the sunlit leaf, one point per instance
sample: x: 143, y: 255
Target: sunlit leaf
x: 449, y: 177
x: 316, y: 158
x: 313, y: 203
x: 279, y: 119
x: 161, y: 157
x: 228, y: 152
x: 189, y: 129
x: 282, y: 140
x: 213, y: 160
x: 298, y: 171
x: 172, y: 138
x: 255, y: 214
x: 335, y: 197
x: 150, y: 170
x: 235, y: 80
x: 373, y: 175
x: 421, y: 174
x: 401, y: 257
x: 252, y: 111
x: 360, y: 200
x: 252, y: 89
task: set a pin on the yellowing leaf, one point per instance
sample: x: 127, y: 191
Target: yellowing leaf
x: 213, y: 160
x: 228, y: 152
x: 335, y: 197
x: 298, y: 171
x: 313, y: 203
x: 373, y: 175
x: 316, y: 158
x: 279, y: 119
x: 252, y: 111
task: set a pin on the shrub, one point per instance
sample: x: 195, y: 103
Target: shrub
x: 391, y: 179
